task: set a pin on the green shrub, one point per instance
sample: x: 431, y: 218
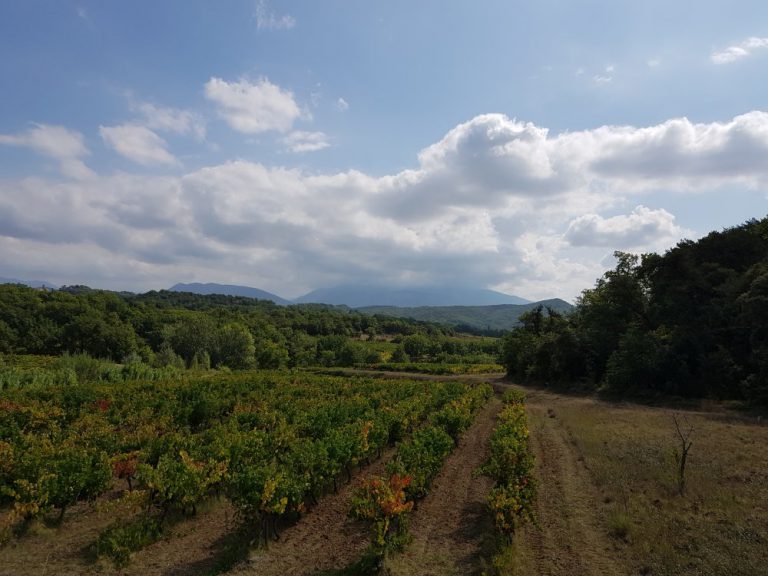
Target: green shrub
x: 120, y: 540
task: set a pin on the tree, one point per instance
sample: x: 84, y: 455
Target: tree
x: 99, y: 336
x: 271, y: 355
x: 605, y: 312
x: 233, y: 346
x: 416, y: 346
x: 193, y: 335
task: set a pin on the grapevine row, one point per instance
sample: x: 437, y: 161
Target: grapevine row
x: 273, y: 443
x: 511, y: 466
x: 386, y: 502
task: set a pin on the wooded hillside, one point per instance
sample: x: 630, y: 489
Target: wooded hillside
x: 692, y: 322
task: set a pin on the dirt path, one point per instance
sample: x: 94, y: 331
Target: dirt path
x: 571, y: 539
x: 326, y: 538
x: 451, y: 528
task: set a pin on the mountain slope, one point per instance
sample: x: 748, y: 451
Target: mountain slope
x: 357, y: 296
x: 492, y: 318
x: 228, y: 290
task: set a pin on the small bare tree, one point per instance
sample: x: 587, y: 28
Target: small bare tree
x: 681, y: 455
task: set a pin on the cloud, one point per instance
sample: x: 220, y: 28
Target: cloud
x: 266, y: 19
x: 138, y: 143
x: 606, y: 77
x: 641, y: 228
x: 253, y: 108
x: 681, y: 153
x: 738, y: 51
x: 495, y: 202
x: 64, y: 145
x: 306, y: 141
x: 173, y: 120
x: 342, y: 105
x: 481, y: 162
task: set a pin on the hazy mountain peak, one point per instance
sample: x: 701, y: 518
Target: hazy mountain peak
x: 356, y: 296
x: 228, y: 290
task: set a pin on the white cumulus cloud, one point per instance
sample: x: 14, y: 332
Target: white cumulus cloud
x: 300, y: 141
x: 172, y: 120
x: 738, y: 51
x: 641, y: 228
x: 495, y: 202
x: 64, y: 145
x: 253, y: 107
x: 137, y: 143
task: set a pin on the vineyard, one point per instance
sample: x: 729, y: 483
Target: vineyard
x: 272, y: 442
x: 131, y: 469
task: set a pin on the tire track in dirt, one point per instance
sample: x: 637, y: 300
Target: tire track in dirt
x: 571, y: 539
x: 324, y: 539
x: 451, y: 528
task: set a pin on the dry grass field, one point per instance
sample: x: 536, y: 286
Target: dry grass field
x: 609, y: 500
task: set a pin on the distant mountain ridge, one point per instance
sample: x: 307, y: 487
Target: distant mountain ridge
x: 475, y: 309
x: 30, y: 283
x: 228, y: 290
x: 477, y: 318
x: 358, y: 296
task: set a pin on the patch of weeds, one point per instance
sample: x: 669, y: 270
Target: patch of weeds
x: 508, y: 560
x: 120, y: 540
x: 619, y: 525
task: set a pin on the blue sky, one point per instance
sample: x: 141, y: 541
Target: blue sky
x: 293, y: 145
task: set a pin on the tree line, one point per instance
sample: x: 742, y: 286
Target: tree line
x: 692, y: 322
x: 190, y: 330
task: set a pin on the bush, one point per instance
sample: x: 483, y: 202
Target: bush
x: 120, y: 540
x: 383, y: 502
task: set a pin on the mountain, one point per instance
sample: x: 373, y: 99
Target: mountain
x: 358, y: 296
x: 475, y: 318
x: 228, y: 290
x: 30, y: 283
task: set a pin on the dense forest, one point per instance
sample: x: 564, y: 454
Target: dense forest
x: 200, y: 331
x: 692, y: 322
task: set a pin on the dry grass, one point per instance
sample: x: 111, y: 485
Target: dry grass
x: 718, y: 527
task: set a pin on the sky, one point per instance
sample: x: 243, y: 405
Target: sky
x: 292, y: 145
